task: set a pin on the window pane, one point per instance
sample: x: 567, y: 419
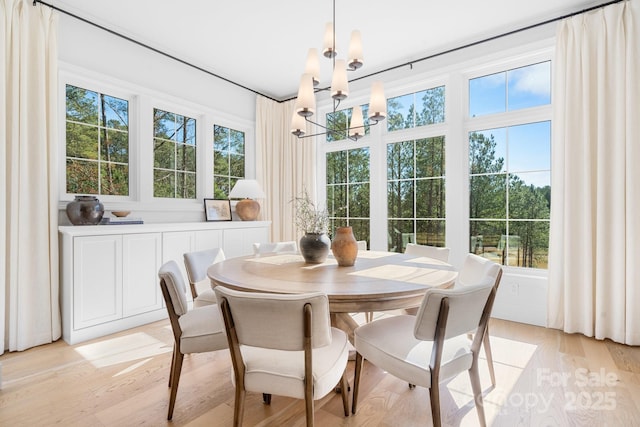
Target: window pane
x: 360, y: 228
x: 431, y: 108
x: 359, y: 200
x: 186, y: 157
x: 336, y: 123
x: 488, y: 196
x: 115, y: 148
x: 400, y: 233
x: 529, y: 86
x: 430, y: 198
x: 430, y: 157
x: 400, y: 160
x: 163, y: 154
x: 430, y: 233
x: 359, y: 165
x: 488, y: 94
x: 221, y: 138
x: 221, y: 187
x: 163, y: 183
x: 529, y: 201
x: 486, y: 237
x: 115, y: 112
x: 82, y: 141
x: 530, y: 147
x: 236, y: 142
x: 82, y: 105
x: 336, y: 167
x: 236, y: 165
x: 114, y: 178
x: 531, y: 247
x: 400, y: 112
x: 400, y: 199
x: 185, y: 185
x: 82, y: 177
x: 487, y: 151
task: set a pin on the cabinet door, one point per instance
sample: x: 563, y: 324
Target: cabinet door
x: 97, y: 278
x: 141, y: 260
x: 208, y: 239
x: 174, y: 246
x: 239, y: 241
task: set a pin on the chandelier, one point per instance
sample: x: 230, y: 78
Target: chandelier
x: 306, y: 102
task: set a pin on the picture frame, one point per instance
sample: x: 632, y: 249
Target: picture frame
x: 217, y: 210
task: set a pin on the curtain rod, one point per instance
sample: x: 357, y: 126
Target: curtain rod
x: 409, y: 63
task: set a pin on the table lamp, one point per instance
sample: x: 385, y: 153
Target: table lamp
x: 247, y: 190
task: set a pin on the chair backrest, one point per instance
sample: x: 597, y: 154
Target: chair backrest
x: 362, y: 245
x: 197, y: 262
x: 175, y: 296
x: 466, y: 306
x: 275, y: 247
x: 441, y: 254
x: 276, y: 321
x: 475, y: 268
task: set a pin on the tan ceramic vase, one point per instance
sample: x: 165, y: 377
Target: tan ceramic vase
x: 344, y: 246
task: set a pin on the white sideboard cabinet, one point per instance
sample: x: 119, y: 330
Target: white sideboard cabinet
x: 109, y: 273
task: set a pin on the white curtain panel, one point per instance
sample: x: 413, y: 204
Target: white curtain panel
x: 28, y: 176
x: 594, y: 259
x: 285, y: 166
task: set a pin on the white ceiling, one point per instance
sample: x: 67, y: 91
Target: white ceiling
x: 263, y: 44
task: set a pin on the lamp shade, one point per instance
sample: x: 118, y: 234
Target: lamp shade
x: 356, y: 127
x: 339, y: 83
x: 378, y: 103
x: 329, y: 45
x: 246, y: 189
x: 355, y: 50
x: 306, y: 101
x: 298, y: 124
x: 313, y: 66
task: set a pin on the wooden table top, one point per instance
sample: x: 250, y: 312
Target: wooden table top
x: 378, y: 280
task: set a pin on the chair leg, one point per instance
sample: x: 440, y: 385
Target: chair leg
x: 368, y: 316
x: 474, y: 375
x: 434, y: 396
x: 345, y: 393
x: 308, y: 401
x: 487, y: 351
x: 175, y: 379
x: 238, y: 408
x: 356, y: 381
x: 173, y: 356
x: 266, y: 398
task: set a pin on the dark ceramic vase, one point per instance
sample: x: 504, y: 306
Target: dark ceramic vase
x: 85, y: 210
x: 314, y: 247
x: 344, y: 247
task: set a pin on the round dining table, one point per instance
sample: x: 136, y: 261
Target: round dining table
x: 378, y: 281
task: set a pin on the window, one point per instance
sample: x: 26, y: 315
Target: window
x: 228, y: 159
x: 416, y: 109
x: 348, y: 191
x: 337, y: 123
x: 510, y: 169
x: 97, y: 143
x: 416, y: 193
x: 174, y: 155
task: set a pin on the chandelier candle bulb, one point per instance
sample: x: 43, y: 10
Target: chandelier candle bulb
x: 329, y: 46
x: 378, y: 103
x: 355, y: 51
x: 306, y: 101
x: 313, y: 66
x: 339, y: 83
x: 356, y: 128
x: 298, y: 124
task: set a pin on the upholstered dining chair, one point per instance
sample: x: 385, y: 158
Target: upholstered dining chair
x: 441, y: 254
x: 283, y: 344
x: 362, y: 245
x: 432, y: 346
x: 476, y: 266
x: 196, y: 264
x: 275, y: 247
x: 194, y: 331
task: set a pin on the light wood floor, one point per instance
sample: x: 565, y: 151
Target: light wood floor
x: 544, y: 378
